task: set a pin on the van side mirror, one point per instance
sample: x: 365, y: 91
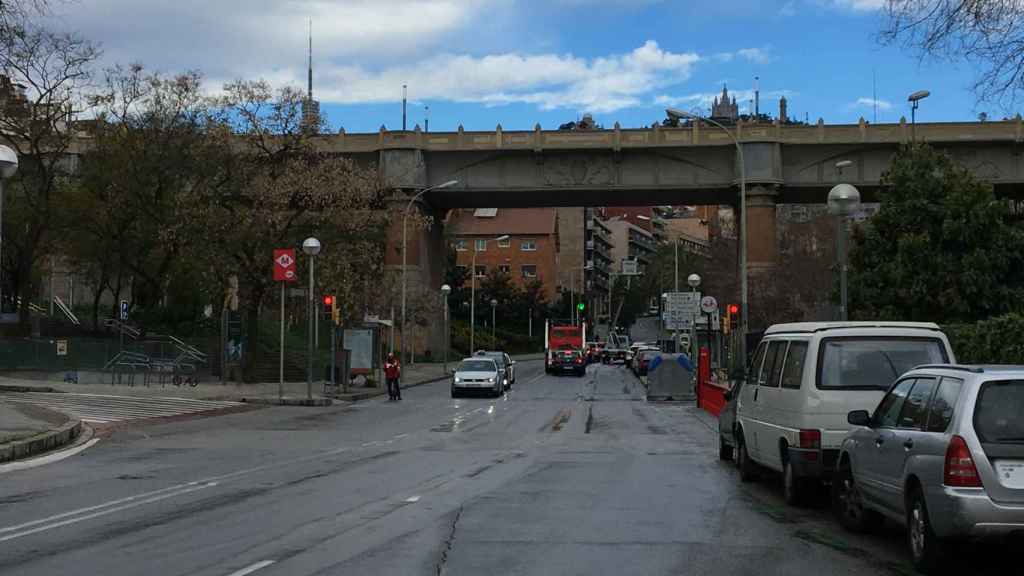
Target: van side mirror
x: 859, y: 418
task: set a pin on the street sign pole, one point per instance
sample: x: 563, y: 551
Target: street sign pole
x: 280, y: 379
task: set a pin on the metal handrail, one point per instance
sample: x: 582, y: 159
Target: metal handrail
x: 66, y: 310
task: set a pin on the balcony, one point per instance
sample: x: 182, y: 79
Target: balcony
x: 642, y: 243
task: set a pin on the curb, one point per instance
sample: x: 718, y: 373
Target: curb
x: 289, y: 401
x: 47, y: 389
x: 357, y: 396
x: 40, y: 443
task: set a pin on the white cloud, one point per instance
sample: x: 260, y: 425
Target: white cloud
x: 788, y: 9
x: 860, y: 5
x: 864, y: 102
x: 755, y: 55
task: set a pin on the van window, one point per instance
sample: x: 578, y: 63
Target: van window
x: 940, y: 413
x: 997, y: 413
x: 873, y: 362
x: 889, y: 409
x: 794, y: 369
x: 914, y: 413
x: 773, y: 363
x: 755, y: 368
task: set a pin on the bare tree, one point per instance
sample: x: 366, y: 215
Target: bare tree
x: 986, y: 33
x: 44, y: 71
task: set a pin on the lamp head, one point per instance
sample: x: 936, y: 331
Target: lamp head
x: 919, y: 95
x: 843, y: 200
x: 311, y: 246
x: 8, y: 162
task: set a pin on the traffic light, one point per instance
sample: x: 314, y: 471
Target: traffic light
x: 331, y: 309
x: 732, y: 316
x: 580, y: 306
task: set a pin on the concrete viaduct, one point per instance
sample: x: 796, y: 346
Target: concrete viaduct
x: 656, y: 166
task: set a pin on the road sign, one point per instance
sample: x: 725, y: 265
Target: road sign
x: 284, y: 265
x: 62, y: 347
x: 124, y: 310
x: 680, y: 310
x: 708, y: 304
x: 630, y: 268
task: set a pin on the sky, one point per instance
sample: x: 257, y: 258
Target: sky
x: 518, y: 63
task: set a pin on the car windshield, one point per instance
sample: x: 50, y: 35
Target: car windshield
x: 498, y: 357
x: 476, y: 366
x: 873, y: 362
x: 997, y: 413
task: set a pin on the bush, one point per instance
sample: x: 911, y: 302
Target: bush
x: 997, y: 340
x: 510, y: 342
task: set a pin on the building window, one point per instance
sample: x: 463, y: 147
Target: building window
x: 460, y: 245
x: 505, y: 269
x: 530, y: 271
x: 481, y: 271
x: 481, y: 245
x: 528, y: 245
x: 505, y: 243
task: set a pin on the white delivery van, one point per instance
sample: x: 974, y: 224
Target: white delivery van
x: 803, y: 381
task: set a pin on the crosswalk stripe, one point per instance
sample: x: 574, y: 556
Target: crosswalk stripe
x: 106, y: 408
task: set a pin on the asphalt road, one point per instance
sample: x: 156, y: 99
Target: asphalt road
x: 563, y: 475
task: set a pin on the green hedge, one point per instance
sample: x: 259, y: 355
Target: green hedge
x: 510, y: 342
x: 997, y: 340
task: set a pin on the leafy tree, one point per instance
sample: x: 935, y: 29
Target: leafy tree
x: 940, y: 248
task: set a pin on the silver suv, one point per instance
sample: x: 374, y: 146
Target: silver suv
x: 943, y: 454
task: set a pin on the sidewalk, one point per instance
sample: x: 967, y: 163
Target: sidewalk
x: 414, y: 375
x: 27, y: 430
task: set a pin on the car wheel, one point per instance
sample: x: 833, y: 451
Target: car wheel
x: 848, y: 504
x: 925, y: 547
x: 747, y: 468
x: 794, y: 488
x: 724, y: 450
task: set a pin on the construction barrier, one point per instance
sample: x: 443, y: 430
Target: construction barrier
x: 710, y: 394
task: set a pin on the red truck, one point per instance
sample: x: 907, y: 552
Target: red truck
x: 559, y: 337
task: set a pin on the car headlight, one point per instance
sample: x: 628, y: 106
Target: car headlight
x: 457, y: 379
x: 505, y: 381
x: 490, y: 380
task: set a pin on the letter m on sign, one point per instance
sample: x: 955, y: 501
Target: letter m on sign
x: 284, y: 265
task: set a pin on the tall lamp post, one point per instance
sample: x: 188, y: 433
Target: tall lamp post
x: 914, y: 100
x: 843, y: 202
x: 472, y: 293
x: 445, y: 291
x: 494, y: 318
x: 694, y: 281
x: 405, y: 220
x: 310, y: 247
x: 8, y: 166
x: 744, y: 314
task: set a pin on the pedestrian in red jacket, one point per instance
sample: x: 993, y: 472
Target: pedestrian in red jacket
x: 392, y: 372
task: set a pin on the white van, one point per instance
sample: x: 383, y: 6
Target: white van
x: 803, y: 381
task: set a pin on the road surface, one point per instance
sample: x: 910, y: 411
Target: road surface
x: 563, y: 475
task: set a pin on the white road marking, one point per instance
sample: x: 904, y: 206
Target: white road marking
x: 250, y: 569
x: 48, y: 459
x: 412, y: 499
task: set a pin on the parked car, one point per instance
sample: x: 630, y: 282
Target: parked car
x: 505, y: 363
x: 727, y: 422
x: 943, y: 454
x: 477, y: 373
x: 568, y: 360
x: 631, y: 353
x: 805, y: 378
x: 643, y: 360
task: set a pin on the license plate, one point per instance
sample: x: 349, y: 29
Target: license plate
x: 1010, y: 473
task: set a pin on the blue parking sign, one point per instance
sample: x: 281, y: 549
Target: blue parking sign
x: 124, y: 310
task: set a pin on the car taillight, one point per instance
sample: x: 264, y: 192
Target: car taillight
x: 579, y: 360
x: 810, y: 439
x: 960, y: 470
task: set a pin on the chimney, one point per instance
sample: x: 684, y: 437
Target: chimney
x: 782, y: 110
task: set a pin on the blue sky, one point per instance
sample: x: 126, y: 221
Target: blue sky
x: 522, y: 62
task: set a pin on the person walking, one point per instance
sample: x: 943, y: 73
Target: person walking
x: 392, y: 372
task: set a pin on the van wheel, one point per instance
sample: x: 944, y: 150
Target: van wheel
x: 724, y: 450
x: 925, y: 547
x: 747, y: 468
x: 794, y: 488
x: 848, y: 504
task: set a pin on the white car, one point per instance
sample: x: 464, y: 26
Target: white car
x: 804, y: 380
x: 478, y: 373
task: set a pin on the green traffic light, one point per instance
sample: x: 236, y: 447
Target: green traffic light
x: 579, y: 306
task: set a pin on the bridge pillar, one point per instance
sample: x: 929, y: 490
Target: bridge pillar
x: 425, y: 262
x: 762, y: 252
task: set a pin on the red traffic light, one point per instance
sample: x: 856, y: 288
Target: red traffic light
x: 733, y: 309
x: 328, y: 300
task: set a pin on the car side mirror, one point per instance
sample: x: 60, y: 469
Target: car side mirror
x: 859, y: 418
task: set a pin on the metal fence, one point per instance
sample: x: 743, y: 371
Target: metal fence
x: 76, y: 354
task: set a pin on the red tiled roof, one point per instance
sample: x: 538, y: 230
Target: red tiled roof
x: 515, y: 221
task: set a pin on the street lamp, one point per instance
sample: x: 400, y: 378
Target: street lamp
x: 445, y: 291
x: 310, y: 247
x: 8, y: 166
x: 472, y: 293
x: 405, y: 220
x: 843, y: 202
x: 694, y: 281
x: 673, y: 113
x: 494, y: 318
x: 914, y: 100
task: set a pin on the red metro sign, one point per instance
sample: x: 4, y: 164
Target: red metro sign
x: 284, y: 265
